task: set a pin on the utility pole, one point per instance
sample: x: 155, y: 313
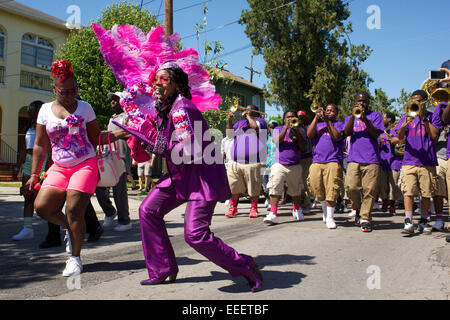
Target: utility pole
x: 168, y: 17
x: 252, y: 70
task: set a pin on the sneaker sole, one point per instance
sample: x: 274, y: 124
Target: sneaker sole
x: 270, y: 222
x: 410, y: 233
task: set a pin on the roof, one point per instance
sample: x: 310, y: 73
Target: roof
x: 33, y: 14
x: 225, y: 73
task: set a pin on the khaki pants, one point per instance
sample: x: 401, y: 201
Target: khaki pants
x: 325, y: 181
x: 389, y: 189
x: 416, y: 178
x: 305, y: 201
x: 441, y: 172
x: 281, y: 174
x: 244, y: 177
x: 363, y: 178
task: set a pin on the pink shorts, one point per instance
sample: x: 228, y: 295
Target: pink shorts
x: 83, y: 177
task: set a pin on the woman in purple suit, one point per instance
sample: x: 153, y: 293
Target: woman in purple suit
x: 192, y: 177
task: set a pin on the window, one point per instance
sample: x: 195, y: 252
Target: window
x: 2, y: 44
x: 255, y: 101
x: 37, y: 52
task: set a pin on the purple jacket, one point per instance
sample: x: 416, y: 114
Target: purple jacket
x: 195, y: 167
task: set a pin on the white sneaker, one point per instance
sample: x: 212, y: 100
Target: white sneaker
x: 351, y: 214
x: 123, y: 227
x: 109, y: 221
x: 73, y: 267
x: 299, y: 215
x: 408, y: 228
x: 24, y: 234
x: 68, y: 242
x: 424, y: 227
x: 330, y: 223
x: 227, y: 202
x: 438, y: 225
x: 271, y: 219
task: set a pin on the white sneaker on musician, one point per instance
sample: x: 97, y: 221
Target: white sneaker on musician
x: 438, y: 225
x: 24, y: 234
x: 73, y: 268
x: 351, y: 214
x: 298, y: 215
x: 271, y: 219
x: 409, y: 227
x: 330, y: 223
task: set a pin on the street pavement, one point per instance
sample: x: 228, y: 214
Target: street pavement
x: 298, y: 260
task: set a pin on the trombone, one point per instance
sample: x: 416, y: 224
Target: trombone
x: 235, y: 107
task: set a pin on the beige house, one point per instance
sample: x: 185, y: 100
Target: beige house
x: 28, y: 41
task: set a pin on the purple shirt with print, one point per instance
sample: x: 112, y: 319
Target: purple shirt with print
x: 396, y: 161
x: 325, y: 149
x: 419, y: 146
x: 249, y: 146
x: 287, y: 153
x: 363, y: 147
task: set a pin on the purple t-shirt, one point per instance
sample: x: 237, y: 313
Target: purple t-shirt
x: 249, y: 146
x: 438, y: 110
x: 385, y: 152
x: 396, y: 161
x: 363, y: 147
x: 419, y: 146
x: 325, y: 149
x: 287, y: 153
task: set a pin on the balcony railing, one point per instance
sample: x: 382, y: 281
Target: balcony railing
x: 7, y: 153
x: 2, y: 74
x: 35, y: 81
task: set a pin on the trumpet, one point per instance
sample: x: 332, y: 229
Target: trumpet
x: 235, y: 107
x: 294, y: 122
x: 315, y: 107
x: 412, y: 108
x: 357, y: 112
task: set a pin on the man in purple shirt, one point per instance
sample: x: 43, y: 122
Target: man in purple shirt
x: 248, y: 154
x: 326, y: 171
x: 363, y: 160
x: 419, y: 162
x: 390, y: 166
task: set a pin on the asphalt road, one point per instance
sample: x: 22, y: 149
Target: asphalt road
x: 298, y: 260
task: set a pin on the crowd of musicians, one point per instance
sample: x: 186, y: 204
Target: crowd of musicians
x: 367, y: 157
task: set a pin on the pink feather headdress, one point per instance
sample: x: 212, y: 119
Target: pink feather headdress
x: 135, y: 58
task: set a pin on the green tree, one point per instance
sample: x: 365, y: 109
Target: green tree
x: 404, y: 97
x: 382, y: 103
x: 82, y: 49
x: 307, y: 51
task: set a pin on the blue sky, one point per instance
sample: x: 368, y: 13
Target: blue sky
x: 413, y: 36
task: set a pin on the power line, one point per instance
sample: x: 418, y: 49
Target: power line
x: 236, y: 21
x: 191, y: 6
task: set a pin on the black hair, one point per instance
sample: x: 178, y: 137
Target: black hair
x: 286, y: 112
x: 363, y: 93
x: 391, y: 116
x: 334, y: 106
x: 421, y: 93
x: 181, y: 77
x: 446, y: 64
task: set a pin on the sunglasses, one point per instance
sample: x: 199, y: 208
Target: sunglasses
x: 66, y: 92
x: 161, y: 79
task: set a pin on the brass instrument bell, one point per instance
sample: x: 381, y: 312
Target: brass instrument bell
x: 293, y: 122
x: 357, y: 112
x: 412, y: 108
x: 440, y: 95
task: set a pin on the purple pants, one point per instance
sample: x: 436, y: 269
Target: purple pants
x: 158, y: 251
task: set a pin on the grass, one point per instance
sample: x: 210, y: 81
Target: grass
x: 11, y: 184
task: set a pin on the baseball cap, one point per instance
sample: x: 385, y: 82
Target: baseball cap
x: 110, y: 95
x: 301, y: 113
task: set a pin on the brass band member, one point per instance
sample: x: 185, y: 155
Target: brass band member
x: 363, y: 126
x: 326, y: 171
